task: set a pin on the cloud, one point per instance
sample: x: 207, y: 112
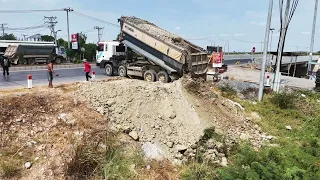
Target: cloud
x: 253, y: 22
x: 238, y: 34
x: 224, y: 35
x: 305, y: 32
x: 262, y: 23
x: 177, y: 28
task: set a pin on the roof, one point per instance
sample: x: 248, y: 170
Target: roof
x: 286, y: 53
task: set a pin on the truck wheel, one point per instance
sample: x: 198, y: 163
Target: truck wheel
x: 108, y: 69
x: 58, y: 60
x: 122, y: 70
x: 163, y: 77
x: 150, y: 75
x: 31, y: 61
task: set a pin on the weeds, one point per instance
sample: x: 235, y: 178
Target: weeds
x: 284, y: 100
x: 228, y: 92
x: 9, y: 168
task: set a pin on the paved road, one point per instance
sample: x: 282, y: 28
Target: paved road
x: 39, y: 77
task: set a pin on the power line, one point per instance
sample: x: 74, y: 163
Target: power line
x: 95, y: 19
x: 30, y: 11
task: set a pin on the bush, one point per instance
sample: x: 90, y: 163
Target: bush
x: 228, y: 92
x: 284, y: 100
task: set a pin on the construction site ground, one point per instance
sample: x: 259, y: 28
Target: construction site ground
x: 252, y: 75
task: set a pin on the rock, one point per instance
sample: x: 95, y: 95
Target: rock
x: 224, y: 162
x: 170, y: 144
x: 134, y: 135
x: 289, y: 128
x: 181, y: 148
x: 178, y: 156
x: 194, y: 146
x: 221, y: 155
x: 173, y: 115
x: 148, y: 167
x: 18, y: 120
x: 111, y: 102
x: 36, y: 158
x: 27, y: 165
x: 219, y: 146
x: 177, y: 162
x: 100, y: 110
x: 20, y: 154
x: 303, y: 95
x: 244, y: 136
x: 63, y: 117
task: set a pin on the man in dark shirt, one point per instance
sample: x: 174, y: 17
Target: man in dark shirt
x: 5, y: 64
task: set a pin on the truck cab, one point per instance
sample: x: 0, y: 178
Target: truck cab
x: 107, y: 51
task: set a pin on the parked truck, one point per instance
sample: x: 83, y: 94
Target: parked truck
x: 164, y: 56
x: 35, y: 53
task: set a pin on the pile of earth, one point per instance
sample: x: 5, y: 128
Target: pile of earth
x: 156, y: 114
x: 169, y: 119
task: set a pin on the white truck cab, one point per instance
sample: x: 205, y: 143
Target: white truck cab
x: 106, y: 50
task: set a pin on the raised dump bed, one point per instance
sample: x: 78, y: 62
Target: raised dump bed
x: 169, y: 51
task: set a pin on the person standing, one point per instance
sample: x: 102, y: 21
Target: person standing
x: 5, y: 65
x: 50, y: 73
x: 87, y: 69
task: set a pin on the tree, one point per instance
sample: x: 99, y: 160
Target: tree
x: 47, y: 38
x: 90, y: 51
x: 8, y: 37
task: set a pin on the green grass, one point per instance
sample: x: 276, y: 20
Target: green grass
x: 298, y: 153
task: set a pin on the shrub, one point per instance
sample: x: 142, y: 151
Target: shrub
x: 284, y: 100
x: 228, y: 92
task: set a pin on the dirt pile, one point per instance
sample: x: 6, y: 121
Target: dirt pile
x: 156, y: 114
x: 164, y: 35
x: 39, y: 130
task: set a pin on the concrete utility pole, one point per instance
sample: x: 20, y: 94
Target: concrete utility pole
x: 52, y: 23
x: 2, y: 27
x: 271, y: 29
x: 99, y: 32
x: 24, y: 36
x: 265, y: 49
x: 68, y: 10
x: 312, y: 35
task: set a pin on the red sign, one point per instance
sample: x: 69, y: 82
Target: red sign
x: 253, y: 49
x: 74, y: 38
x: 217, y: 59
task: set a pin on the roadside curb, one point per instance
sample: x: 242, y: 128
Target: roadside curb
x: 42, y: 67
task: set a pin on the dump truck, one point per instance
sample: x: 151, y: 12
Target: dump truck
x: 163, y: 56
x: 35, y: 53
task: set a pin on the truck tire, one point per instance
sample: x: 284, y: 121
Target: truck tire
x: 108, y: 69
x: 31, y: 61
x: 58, y: 60
x: 122, y: 71
x: 163, y: 77
x: 150, y: 75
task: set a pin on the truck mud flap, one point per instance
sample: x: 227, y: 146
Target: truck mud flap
x: 198, y: 64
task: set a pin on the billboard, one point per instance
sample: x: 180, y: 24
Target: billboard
x: 74, y: 41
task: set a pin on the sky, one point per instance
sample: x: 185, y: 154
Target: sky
x: 241, y: 24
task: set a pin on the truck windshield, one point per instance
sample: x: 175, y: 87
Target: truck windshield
x: 100, y: 47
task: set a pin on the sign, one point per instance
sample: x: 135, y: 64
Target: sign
x: 74, y: 41
x: 253, y: 49
x: 217, y: 59
x: 74, y: 38
x: 75, y: 45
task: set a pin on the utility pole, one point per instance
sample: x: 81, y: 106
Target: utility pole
x: 68, y: 10
x: 265, y: 49
x: 270, y: 63
x: 24, y: 36
x: 99, y: 32
x: 312, y: 35
x: 52, y: 23
x: 2, y: 27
